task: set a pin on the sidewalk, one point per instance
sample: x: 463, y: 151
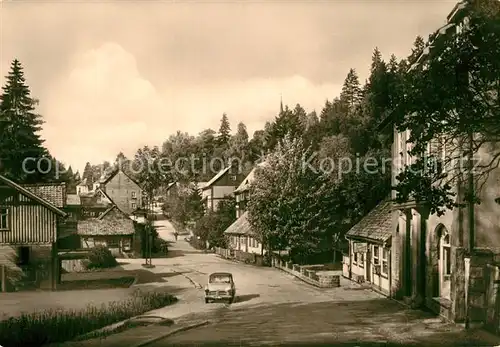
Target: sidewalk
x: 134, y: 337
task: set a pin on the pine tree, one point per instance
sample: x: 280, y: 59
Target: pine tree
x: 351, y: 93
x: 224, y: 131
x: 88, y: 175
x: 393, y: 64
x: 418, y: 48
x: 301, y: 116
x: 20, y: 141
x: 377, y: 87
x: 376, y: 60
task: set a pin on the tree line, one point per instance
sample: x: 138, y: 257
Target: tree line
x: 447, y: 98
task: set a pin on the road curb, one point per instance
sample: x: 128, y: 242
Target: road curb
x: 174, y: 331
x: 193, y: 282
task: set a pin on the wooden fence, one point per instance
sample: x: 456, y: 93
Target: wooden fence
x: 248, y: 258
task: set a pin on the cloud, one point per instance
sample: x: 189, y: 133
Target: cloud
x: 103, y: 106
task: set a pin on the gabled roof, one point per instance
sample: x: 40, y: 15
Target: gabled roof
x: 32, y: 196
x: 216, y: 177
x: 55, y: 193
x: 377, y: 225
x: 111, y: 222
x: 116, y: 209
x: 91, y: 200
x: 240, y: 227
x: 73, y: 200
x: 113, y: 174
x: 103, y: 193
x: 245, y: 185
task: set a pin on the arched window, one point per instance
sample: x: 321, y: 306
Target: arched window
x: 446, y: 251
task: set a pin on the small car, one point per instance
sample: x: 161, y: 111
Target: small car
x: 221, y: 287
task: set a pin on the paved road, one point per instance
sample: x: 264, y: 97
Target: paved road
x: 275, y: 308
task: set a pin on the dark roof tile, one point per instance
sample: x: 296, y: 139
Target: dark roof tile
x: 377, y: 225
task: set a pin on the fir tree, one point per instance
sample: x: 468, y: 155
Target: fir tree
x: 224, y: 131
x: 351, y: 93
x: 88, y: 175
x: 418, y: 48
x: 376, y: 60
x: 20, y: 142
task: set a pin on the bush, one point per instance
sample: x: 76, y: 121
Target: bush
x: 100, y: 258
x: 51, y: 326
x: 197, y: 244
x: 160, y: 246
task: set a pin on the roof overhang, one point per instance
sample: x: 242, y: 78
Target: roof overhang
x: 33, y: 196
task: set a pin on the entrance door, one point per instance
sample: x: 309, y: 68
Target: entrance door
x: 23, y: 258
x: 368, y: 267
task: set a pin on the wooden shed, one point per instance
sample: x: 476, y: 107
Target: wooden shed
x: 30, y: 222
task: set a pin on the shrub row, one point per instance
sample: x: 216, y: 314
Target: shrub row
x: 52, y: 326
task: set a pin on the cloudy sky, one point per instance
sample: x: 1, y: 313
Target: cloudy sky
x: 112, y: 76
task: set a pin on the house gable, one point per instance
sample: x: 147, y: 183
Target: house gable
x: 25, y: 195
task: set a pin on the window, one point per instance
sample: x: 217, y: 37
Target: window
x: 134, y: 196
x: 232, y: 178
x: 361, y: 259
x: 113, y: 243
x: 385, y: 262
x: 446, y: 255
x: 134, y: 206
x: 355, y: 261
x: 4, y: 218
x: 376, y: 255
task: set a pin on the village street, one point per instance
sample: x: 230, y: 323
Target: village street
x: 275, y: 308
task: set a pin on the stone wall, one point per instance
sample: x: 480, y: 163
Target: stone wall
x: 311, y: 274
x: 477, y: 286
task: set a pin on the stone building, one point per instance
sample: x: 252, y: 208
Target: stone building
x: 431, y: 254
x: 123, y: 191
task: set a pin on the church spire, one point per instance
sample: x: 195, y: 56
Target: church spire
x: 281, y: 103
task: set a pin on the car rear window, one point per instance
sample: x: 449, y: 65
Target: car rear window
x: 220, y: 279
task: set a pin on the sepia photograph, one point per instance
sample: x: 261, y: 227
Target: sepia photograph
x: 249, y: 173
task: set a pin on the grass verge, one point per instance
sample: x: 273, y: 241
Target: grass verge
x: 122, y: 282
x: 53, y: 326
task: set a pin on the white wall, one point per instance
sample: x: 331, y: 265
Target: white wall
x: 221, y: 191
x: 362, y: 268
x: 245, y: 244
x: 82, y: 189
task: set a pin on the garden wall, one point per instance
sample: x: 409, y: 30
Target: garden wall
x: 312, y: 274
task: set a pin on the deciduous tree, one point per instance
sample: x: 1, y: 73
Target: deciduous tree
x: 451, y: 101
